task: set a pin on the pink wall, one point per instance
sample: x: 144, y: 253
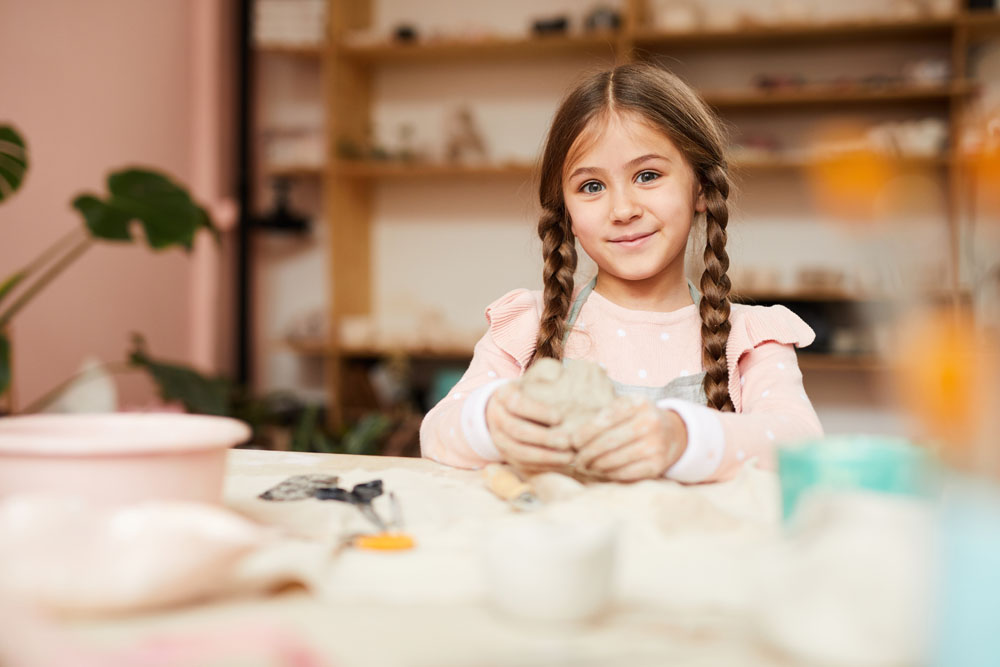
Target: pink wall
x: 95, y: 86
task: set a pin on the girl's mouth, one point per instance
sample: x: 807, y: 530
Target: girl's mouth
x: 631, y: 240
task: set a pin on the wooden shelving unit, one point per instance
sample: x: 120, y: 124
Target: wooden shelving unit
x: 318, y: 348
x: 297, y: 171
x: 393, y: 169
x: 349, y: 63
x: 300, y: 51
x: 920, y: 28
x: 826, y: 96
x: 375, y: 170
x: 481, y: 49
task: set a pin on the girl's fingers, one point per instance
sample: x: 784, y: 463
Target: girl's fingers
x: 621, y: 457
x: 519, y: 405
x: 606, y: 442
x: 633, y: 472
x: 530, y: 455
x: 619, y: 411
x: 530, y: 433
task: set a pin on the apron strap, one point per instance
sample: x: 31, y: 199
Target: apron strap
x: 574, y: 312
x: 695, y: 294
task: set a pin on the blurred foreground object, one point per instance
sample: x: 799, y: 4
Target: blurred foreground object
x: 117, y: 457
x: 947, y: 374
x: 124, y: 559
x: 851, y: 463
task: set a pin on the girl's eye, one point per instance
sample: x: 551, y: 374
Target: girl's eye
x: 591, y: 187
x: 646, y: 176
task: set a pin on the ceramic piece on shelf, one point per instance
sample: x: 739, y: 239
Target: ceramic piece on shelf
x: 356, y: 331
x: 464, y: 141
x: 347, y: 149
x: 927, y: 71
x: 603, y: 18
x: 791, y: 12
x: 407, y: 149
x: 552, y: 25
x: 677, y: 15
x: 820, y: 278
x: 405, y: 33
x: 311, y: 325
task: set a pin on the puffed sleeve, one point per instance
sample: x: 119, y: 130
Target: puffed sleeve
x: 765, y: 384
x: 454, y: 431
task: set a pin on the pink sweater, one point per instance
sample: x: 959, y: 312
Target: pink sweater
x: 649, y: 349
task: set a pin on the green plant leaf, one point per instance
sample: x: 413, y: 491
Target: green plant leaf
x: 198, y: 393
x: 13, y: 161
x: 4, y: 363
x: 12, y: 281
x: 166, y: 211
x: 103, y: 221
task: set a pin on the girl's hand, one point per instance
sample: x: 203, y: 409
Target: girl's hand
x: 630, y: 440
x: 522, y: 430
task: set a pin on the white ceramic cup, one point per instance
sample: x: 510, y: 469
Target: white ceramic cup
x: 551, y: 570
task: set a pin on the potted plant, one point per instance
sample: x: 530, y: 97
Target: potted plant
x: 168, y: 216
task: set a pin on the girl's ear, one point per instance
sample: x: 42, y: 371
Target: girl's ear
x: 699, y: 203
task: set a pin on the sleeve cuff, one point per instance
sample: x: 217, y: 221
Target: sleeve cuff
x: 706, y: 441
x: 474, y: 428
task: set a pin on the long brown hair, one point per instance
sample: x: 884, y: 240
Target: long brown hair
x: 670, y: 105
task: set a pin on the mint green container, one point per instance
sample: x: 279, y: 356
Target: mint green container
x: 852, y: 462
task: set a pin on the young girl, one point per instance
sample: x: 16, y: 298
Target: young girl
x: 633, y: 160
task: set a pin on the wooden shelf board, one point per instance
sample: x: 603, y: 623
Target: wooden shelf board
x: 755, y: 296
x: 834, y: 96
x: 365, y: 169
x: 452, y: 353
x: 299, y: 50
x: 393, y: 169
x: 795, y: 32
x: 981, y: 24
x: 481, y: 48
x: 780, y: 162
x: 807, y: 361
x: 297, y: 171
x: 310, y: 347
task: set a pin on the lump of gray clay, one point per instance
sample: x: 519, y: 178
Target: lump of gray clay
x: 577, y: 389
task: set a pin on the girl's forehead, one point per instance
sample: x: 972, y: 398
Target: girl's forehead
x: 618, y: 131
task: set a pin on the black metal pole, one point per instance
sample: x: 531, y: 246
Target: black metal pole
x: 244, y: 172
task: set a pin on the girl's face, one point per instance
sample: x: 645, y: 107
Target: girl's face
x: 631, y: 197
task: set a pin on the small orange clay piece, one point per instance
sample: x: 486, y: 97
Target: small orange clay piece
x: 385, y: 542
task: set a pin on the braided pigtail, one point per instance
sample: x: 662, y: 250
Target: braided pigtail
x: 715, y: 286
x: 559, y: 264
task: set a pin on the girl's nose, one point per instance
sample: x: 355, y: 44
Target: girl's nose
x: 625, y: 210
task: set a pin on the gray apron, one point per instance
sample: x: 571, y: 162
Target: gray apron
x: 687, y: 387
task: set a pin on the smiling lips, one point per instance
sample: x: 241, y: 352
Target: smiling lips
x: 631, y: 240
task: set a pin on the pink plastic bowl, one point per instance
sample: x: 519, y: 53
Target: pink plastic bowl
x: 119, y: 457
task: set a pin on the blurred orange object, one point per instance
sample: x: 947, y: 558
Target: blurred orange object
x: 946, y: 379
x: 848, y: 185
x: 985, y: 168
x: 385, y: 542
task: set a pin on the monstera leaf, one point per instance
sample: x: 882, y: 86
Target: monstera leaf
x: 13, y: 161
x: 198, y: 393
x: 165, y: 210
